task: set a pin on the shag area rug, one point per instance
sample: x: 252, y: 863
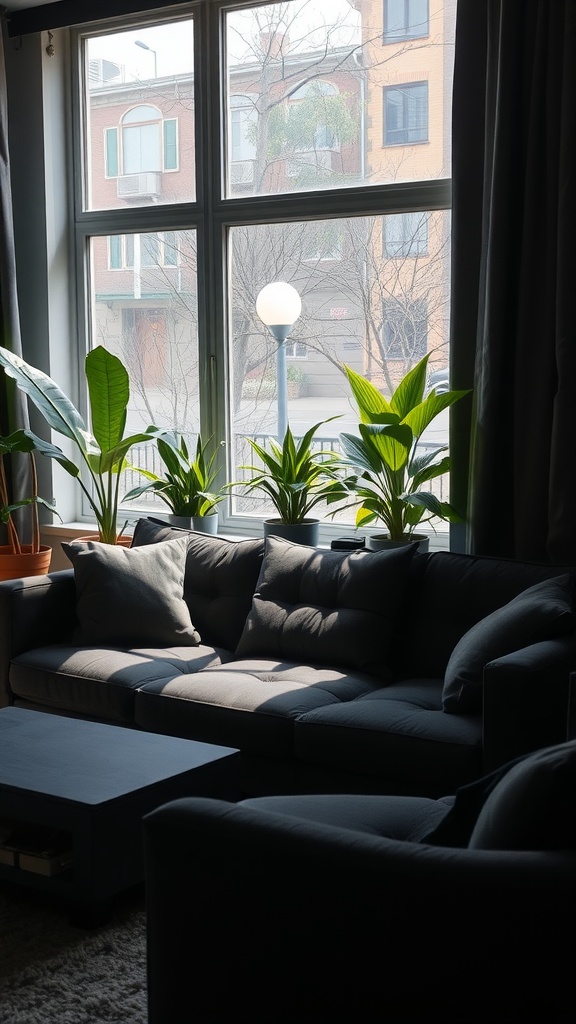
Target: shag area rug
x: 54, y: 973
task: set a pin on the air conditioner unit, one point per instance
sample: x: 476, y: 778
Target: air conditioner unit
x: 103, y: 72
x: 242, y: 172
x: 145, y: 185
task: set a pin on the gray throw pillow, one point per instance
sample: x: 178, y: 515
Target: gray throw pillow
x: 329, y: 607
x: 131, y: 597
x: 219, y: 580
x: 534, y: 806
x: 539, y: 613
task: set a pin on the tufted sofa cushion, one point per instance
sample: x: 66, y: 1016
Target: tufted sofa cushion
x: 333, y: 607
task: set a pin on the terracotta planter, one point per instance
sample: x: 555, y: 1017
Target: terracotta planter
x: 305, y: 532
x: 14, y: 567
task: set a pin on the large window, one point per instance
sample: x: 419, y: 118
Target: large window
x: 200, y: 187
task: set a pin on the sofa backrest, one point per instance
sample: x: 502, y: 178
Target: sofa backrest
x: 449, y: 593
x: 219, y: 581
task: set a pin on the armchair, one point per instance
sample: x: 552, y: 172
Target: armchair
x: 328, y: 909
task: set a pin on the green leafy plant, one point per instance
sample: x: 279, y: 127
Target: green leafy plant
x: 390, y: 471
x: 188, y: 485
x: 294, y: 476
x: 103, y: 452
x: 22, y: 442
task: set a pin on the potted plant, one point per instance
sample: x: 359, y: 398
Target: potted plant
x: 390, y: 470
x: 16, y: 558
x: 103, y: 452
x: 296, y: 479
x: 188, y: 485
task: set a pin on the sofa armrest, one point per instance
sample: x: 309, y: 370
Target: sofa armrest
x: 34, y: 611
x: 260, y: 916
x: 526, y: 700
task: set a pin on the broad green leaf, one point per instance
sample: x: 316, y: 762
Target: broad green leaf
x: 361, y: 454
x: 369, y: 400
x: 56, y: 408
x: 392, y: 443
x: 410, y: 390
x: 422, y: 415
x: 109, y: 392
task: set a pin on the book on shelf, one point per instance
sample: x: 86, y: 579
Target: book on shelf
x: 37, y: 848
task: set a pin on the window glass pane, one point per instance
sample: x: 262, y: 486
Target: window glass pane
x: 316, y: 74
x: 138, y: 99
x: 147, y: 315
x: 360, y: 307
x: 405, y: 19
x: 170, y: 145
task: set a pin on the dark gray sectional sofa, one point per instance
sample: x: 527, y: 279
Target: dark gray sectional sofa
x: 359, y: 671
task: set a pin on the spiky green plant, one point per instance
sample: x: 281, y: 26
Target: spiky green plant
x: 188, y: 485
x: 294, y: 476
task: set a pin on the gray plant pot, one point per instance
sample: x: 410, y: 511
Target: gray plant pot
x: 305, y: 532
x: 381, y: 541
x: 202, y: 524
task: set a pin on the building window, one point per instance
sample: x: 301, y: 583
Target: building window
x: 406, y: 234
x: 153, y: 250
x: 406, y: 114
x: 404, y: 330
x: 296, y: 350
x: 405, y: 19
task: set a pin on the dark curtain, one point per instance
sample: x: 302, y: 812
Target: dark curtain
x: 513, y: 277
x: 13, y: 410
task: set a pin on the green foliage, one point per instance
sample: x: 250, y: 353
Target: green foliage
x: 103, y: 453
x: 187, y: 486
x: 295, y: 477
x: 294, y: 126
x: 389, y: 471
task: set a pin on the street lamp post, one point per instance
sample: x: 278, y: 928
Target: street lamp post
x: 144, y: 46
x: 279, y: 305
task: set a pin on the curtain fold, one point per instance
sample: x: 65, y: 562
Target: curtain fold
x: 13, y: 408
x: 513, y: 335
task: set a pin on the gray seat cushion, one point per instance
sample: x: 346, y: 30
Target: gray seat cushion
x: 101, y: 681
x: 397, y: 732
x: 256, y: 701
x: 394, y: 817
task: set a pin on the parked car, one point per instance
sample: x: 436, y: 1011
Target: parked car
x: 438, y: 381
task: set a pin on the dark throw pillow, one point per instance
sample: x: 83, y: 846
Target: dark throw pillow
x: 219, y: 581
x: 131, y: 596
x: 534, y: 806
x: 330, y: 607
x: 539, y: 613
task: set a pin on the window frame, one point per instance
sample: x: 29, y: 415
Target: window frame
x: 212, y: 214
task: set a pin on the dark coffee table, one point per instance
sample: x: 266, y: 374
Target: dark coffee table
x: 96, y: 782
